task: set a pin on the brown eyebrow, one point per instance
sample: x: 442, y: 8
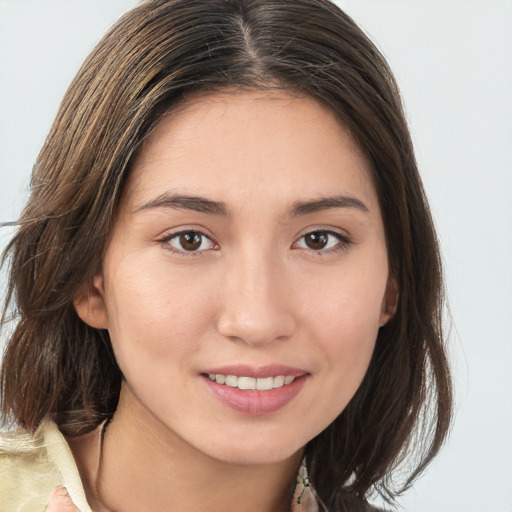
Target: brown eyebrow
x: 325, y: 203
x: 197, y: 204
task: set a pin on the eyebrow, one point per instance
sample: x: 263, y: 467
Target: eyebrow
x: 326, y: 203
x: 203, y: 205
x: 195, y: 203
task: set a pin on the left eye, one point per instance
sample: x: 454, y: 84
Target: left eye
x: 322, y: 241
x: 190, y: 241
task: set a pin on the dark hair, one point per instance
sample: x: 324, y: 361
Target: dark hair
x: 154, y: 58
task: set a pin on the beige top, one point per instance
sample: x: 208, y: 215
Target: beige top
x: 32, y: 466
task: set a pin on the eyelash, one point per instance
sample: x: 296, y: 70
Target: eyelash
x: 167, y: 242
x: 343, y: 242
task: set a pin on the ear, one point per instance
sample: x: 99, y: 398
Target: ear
x: 389, y: 302
x: 90, y: 304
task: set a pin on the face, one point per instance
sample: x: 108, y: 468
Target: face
x: 246, y: 277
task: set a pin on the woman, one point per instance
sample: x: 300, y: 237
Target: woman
x: 227, y: 268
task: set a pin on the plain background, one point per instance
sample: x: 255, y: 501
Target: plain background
x: 453, y: 61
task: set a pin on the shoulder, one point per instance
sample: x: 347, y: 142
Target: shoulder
x: 33, y: 465
x: 27, y: 475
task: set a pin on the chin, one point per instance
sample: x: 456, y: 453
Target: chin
x: 258, y: 457
x: 262, y: 452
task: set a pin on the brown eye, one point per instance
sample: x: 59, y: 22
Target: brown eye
x: 323, y: 241
x: 189, y: 241
x: 317, y: 240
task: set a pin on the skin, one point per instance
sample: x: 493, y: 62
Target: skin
x: 255, y: 292
x: 59, y: 501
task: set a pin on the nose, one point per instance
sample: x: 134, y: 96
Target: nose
x: 256, y: 301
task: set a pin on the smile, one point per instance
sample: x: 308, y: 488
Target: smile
x: 251, y: 383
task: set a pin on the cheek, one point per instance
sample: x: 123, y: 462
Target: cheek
x: 347, y: 339
x: 349, y: 303
x: 153, y: 314
x: 342, y: 330
x: 343, y: 318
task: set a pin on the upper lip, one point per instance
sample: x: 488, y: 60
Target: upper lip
x: 271, y: 370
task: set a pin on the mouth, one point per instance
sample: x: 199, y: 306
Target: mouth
x: 255, y: 391
x: 252, y: 383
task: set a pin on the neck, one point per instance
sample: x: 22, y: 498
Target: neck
x: 143, y: 465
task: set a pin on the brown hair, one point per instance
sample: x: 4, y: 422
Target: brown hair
x: 152, y: 59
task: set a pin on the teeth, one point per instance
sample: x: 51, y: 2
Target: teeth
x: 246, y: 383
x: 279, y: 381
x: 263, y: 384
x: 231, y: 381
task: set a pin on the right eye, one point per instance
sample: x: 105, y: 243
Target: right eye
x: 188, y: 242
x: 323, y: 241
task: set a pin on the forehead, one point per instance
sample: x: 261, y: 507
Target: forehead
x: 235, y: 144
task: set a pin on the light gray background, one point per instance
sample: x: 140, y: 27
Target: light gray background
x: 453, y: 60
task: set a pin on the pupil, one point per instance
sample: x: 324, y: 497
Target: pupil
x: 316, y: 241
x: 190, y: 241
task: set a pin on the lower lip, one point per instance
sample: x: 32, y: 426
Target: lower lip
x: 253, y: 401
